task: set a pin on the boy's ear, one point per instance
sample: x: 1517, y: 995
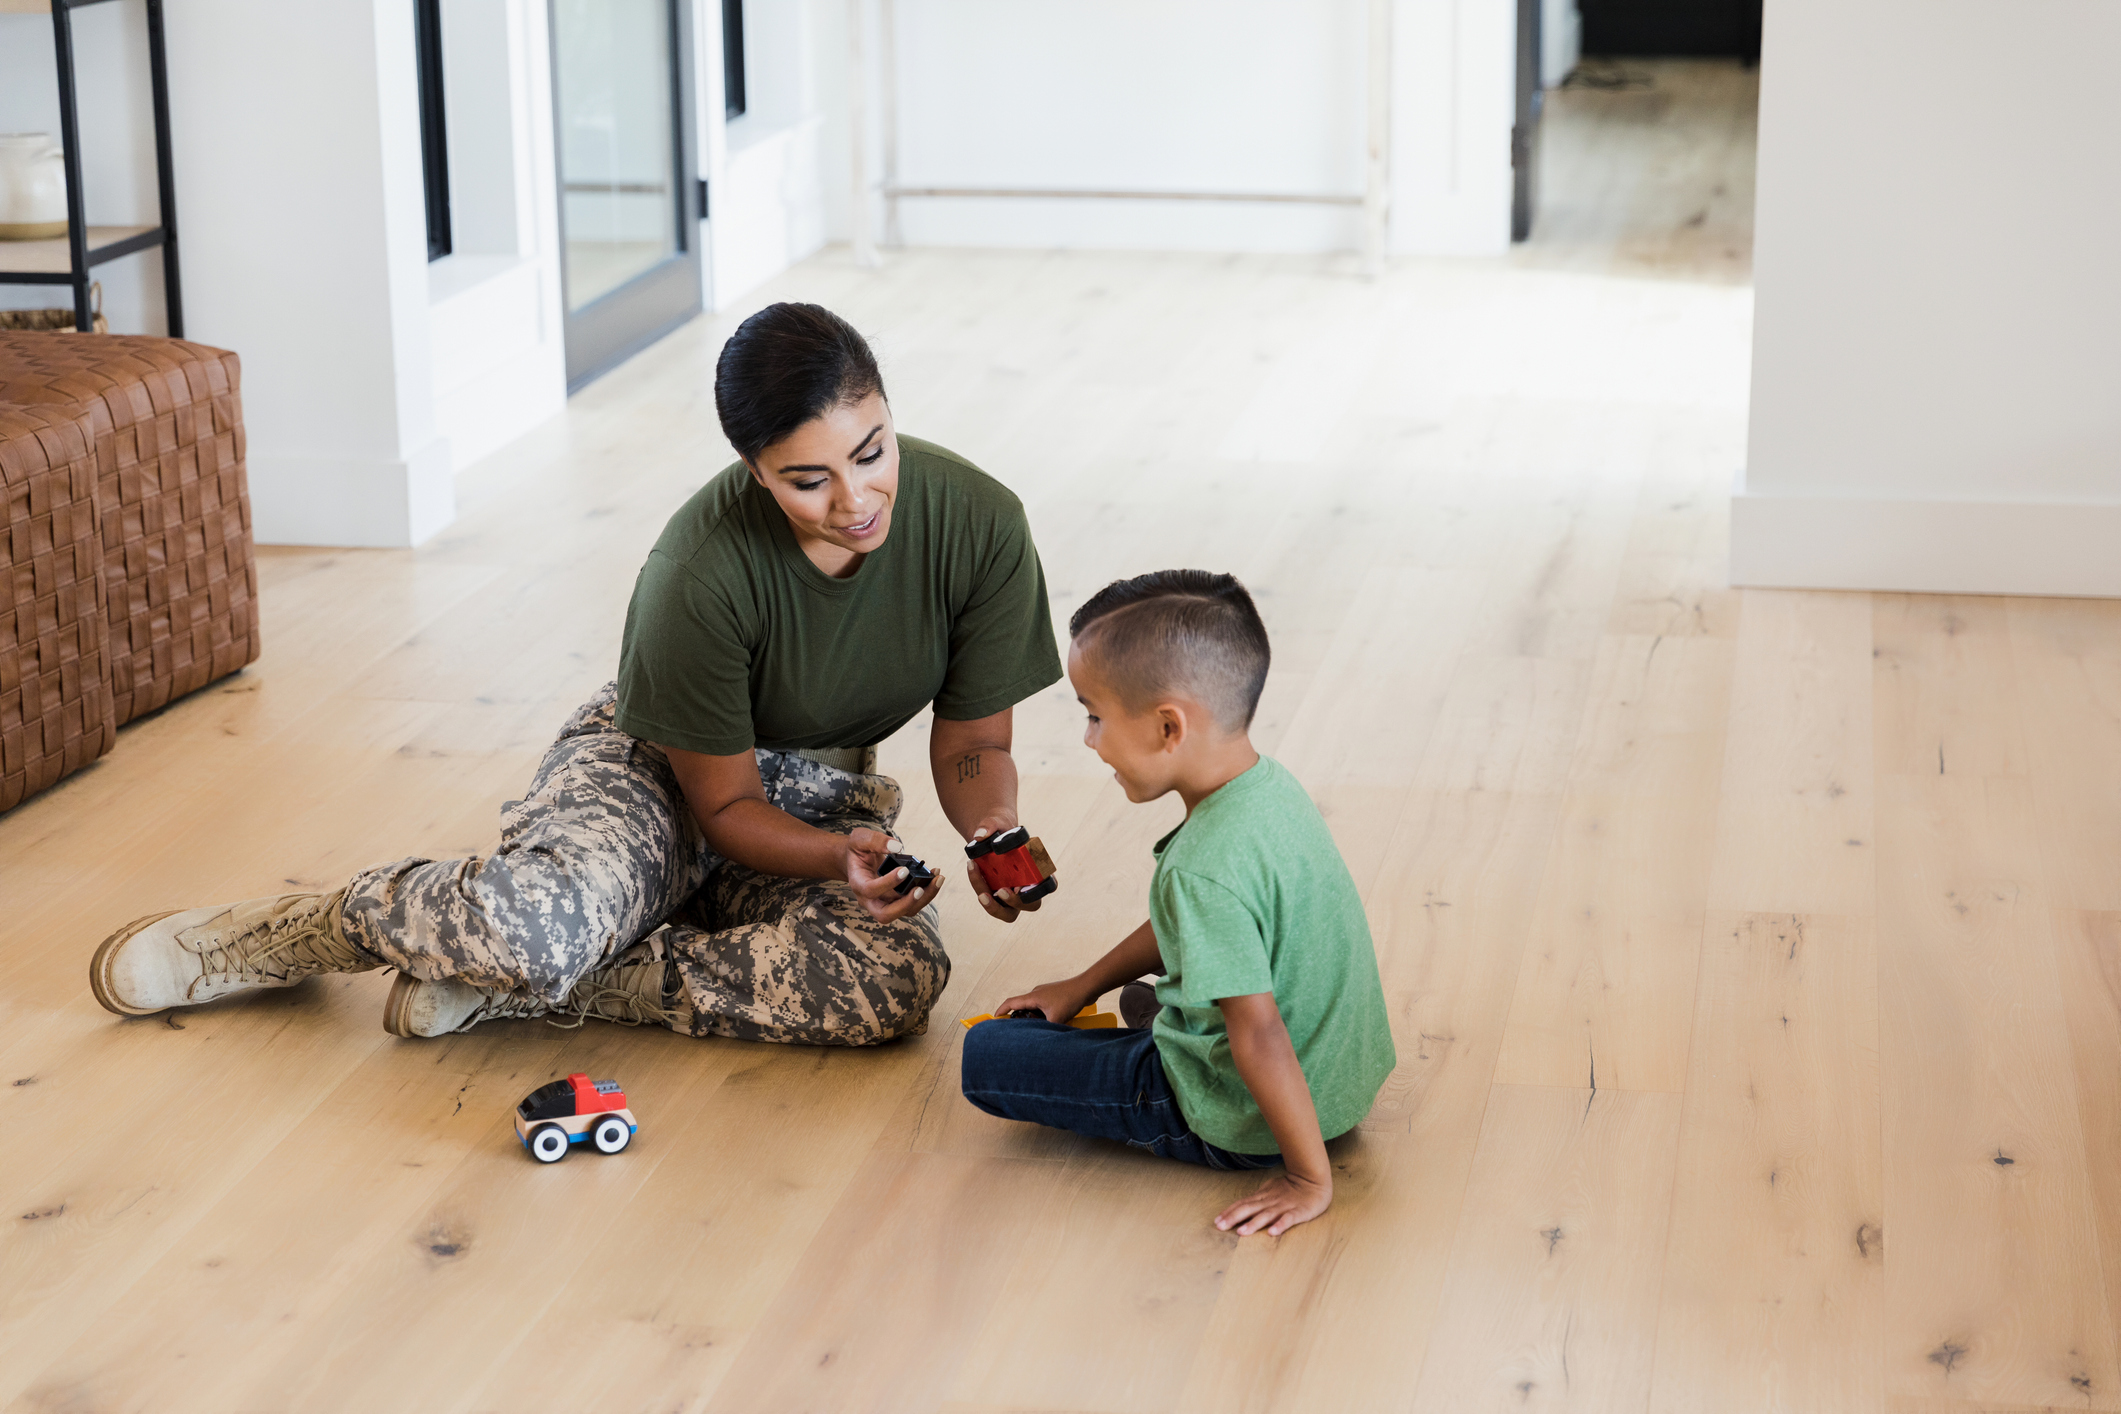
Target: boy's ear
x: 1172, y: 719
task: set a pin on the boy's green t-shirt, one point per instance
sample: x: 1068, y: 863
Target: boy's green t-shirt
x: 734, y: 639
x: 1251, y: 895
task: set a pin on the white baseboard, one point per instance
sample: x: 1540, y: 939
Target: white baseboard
x: 371, y: 503
x: 2065, y: 550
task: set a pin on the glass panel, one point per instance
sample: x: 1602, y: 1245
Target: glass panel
x: 612, y: 63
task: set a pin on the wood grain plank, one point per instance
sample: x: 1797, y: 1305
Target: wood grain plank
x: 2063, y: 653
x: 1354, y: 1304
x: 755, y: 1164
x: 1606, y: 992
x: 1947, y: 699
x: 2088, y: 965
x: 1798, y: 759
x: 1774, y: 1277
x: 883, y: 1314
x: 1552, y: 1297
x: 1993, y: 1291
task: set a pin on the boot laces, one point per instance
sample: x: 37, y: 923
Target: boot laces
x: 508, y: 1006
x: 288, y: 947
x: 619, y: 996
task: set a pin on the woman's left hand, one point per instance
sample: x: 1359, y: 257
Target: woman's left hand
x: 878, y: 891
x: 1001, y: 903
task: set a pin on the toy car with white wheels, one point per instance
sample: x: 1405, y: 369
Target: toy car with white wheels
x: 554, y: 1118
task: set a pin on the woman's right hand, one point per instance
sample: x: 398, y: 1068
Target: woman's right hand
x: 864, y: 851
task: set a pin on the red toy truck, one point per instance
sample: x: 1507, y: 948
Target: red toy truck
x: 1014, y: 859
x: 553, y: 1118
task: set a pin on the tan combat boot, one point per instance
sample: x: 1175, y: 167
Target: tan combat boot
x: 637, y: 988
x: 203, y: 954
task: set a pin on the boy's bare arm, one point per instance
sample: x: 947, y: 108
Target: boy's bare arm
x: 1135, y: 956
x: 1266, y: 1062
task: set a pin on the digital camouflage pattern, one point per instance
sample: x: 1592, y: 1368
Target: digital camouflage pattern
x: 603, y: 852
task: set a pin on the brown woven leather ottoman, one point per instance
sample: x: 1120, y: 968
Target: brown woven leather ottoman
x: 180, y: 582
x: 55, y: 707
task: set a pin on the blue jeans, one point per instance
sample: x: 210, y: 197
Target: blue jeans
x: 1108, y: 1084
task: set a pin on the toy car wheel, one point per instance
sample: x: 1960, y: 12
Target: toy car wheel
x: 611, y: 1134
x: 548, y: 1143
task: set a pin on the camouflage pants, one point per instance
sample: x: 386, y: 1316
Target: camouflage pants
x: 603, y: 852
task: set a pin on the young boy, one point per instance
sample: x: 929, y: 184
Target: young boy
x: 1272, y: 1036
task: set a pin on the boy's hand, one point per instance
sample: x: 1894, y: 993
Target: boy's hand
x: 1057, y: 1001
x: 878, y: 893
x: 1001, y: 903
x: 1282, y: 1202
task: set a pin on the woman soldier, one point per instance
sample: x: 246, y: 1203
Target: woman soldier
x: 704, y: 845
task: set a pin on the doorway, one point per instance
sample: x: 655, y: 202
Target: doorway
x: 629, y: 206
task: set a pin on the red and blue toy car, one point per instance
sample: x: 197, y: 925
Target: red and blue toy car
x: 554, y: 1118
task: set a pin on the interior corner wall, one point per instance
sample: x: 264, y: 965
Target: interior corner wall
x: 1935, y: 364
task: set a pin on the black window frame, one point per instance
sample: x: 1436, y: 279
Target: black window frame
x: 434, y: 132
x: 734, y: 99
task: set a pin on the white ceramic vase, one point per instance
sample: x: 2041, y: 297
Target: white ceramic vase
x: 32, y: 187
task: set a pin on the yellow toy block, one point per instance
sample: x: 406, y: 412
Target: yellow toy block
x: 1088, y: 1019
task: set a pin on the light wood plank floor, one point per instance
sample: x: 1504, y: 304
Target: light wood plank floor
x: 1754, y: 958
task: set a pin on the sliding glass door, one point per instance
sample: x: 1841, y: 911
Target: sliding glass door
x: 629, y: 214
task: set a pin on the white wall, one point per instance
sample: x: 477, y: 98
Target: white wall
x: 1936, y: 378
x: 1179, y: 95
x: 1201, y: 95
x: 1454, y: 100
x: 297, y: 150
x: 778, y: 175
x: 1560, y: 40
x: 495, y: 326
x: 369, y: 375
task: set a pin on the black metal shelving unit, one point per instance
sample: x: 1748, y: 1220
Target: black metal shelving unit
x: 84, y: 247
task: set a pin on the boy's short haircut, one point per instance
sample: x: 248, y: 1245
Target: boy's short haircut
x: 1189, y: 631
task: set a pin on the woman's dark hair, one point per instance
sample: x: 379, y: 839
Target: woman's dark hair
x: 1189, y: 631
x: 785, y: 365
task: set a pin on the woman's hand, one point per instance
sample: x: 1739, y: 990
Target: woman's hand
x: 1281, y: 1203
x: 1001, y: 903
x: 865, y: 850
x: 1057, y: 1001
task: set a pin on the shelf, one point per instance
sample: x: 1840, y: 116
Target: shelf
x: 50, y: 258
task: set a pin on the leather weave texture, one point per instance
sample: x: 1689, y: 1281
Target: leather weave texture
x: 128, y: 577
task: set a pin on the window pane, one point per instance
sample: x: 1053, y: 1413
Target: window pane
x: 613, y: 67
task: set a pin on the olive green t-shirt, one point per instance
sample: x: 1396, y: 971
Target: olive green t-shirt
x: 1251, y: 895
x: 735, y: 639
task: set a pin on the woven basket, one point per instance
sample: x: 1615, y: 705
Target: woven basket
x: 56, y: 321
x: 55, y: 701
x: 166, y: 417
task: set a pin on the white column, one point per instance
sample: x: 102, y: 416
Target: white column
x: 1936, y: 381
x: 296, y: 142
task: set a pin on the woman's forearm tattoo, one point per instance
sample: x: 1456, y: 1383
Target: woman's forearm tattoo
x: 967, y: 767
